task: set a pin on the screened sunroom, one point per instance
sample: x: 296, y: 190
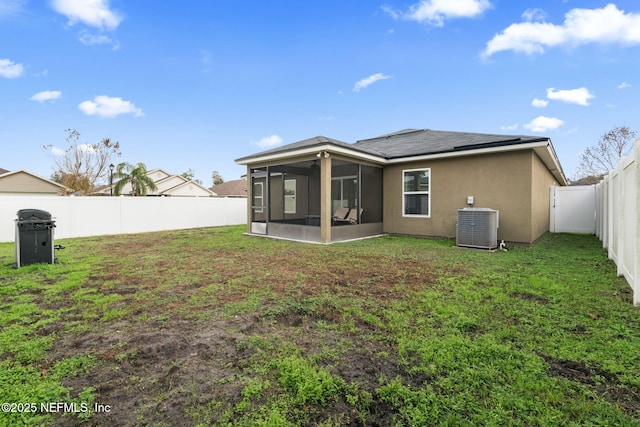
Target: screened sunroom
x: 320, y: 197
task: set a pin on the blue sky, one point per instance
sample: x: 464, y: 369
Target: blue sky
x: 197, y: 84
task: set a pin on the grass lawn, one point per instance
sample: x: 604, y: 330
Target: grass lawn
x: 209, y: 327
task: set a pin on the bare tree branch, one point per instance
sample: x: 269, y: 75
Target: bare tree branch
x: 83, y: 165
x: 600, y: 158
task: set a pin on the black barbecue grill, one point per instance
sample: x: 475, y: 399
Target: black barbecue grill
x: 34, y: 238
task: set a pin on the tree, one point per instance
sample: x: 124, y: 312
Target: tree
x: 136, y: 176
x: 602, y: 157
x: 190, y: 175
x: 216, y: 178
x: 81, y: 166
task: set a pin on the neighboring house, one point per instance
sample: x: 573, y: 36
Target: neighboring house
x: 25, y: 183
x: 168, y: 185
x: 235, y: 188
x: 410, y: 182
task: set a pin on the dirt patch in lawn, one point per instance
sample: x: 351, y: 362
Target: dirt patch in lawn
x: 607, y: 385
x: 165, y: 372
x: 179, y: 348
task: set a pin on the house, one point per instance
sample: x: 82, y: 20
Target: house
x: 25, y: 183
x: 235, y: 188
x: 410, y: 182
x: 167, y: 185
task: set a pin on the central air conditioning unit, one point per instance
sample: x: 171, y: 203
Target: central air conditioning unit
x: 477, y: 228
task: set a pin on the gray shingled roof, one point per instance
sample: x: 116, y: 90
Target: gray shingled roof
x: 409, y: 143
x: 308, y: 143
x: 305, y: 143
x: 416, y: 142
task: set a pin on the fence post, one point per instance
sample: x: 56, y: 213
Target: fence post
x: 610, y: 213
x: 605, y: 212
x: 621, y: 221
x: 636, y: 205
x: 552, y: 209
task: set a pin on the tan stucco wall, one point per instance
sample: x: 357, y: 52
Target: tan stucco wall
x: 515, y: 183
x: 502, y: 181
x: 542, y: 180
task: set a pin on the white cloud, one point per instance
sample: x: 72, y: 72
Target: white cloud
x: 89, y: 39
x: 540, y: 103
x: 83, y: 148
x: 58, y: 152
x: 435, y: 12
x: 509, y: 127
x: 207, y: 61
x: 206, y: 57
x: 369, y: 80
x: 10, y: 70
x: 580, y: 96
x: 269, y: 141
x: 86, y: 148
x: 11, y: 7
x: 95, y: 13
x: 107, y: 106
x: 624, y: 85
x: 608, y: 25
x: 542, y: 124
x: 534, y: 14
x: 47, y: 95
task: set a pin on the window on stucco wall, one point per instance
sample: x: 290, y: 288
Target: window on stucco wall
x: 416, y: 192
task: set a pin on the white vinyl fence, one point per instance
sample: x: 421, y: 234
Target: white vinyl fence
x: 97, y: 216
x: 573, y: 209
x: 617, y: 225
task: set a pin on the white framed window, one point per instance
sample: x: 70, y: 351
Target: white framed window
x: 290, y: 196
x: 258, y: 197
x: 416, y: 192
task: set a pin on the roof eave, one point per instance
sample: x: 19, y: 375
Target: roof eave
x: 542, y: 147
x: 314, y: 149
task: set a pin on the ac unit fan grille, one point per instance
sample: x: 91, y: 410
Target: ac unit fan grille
x: 477, y: 228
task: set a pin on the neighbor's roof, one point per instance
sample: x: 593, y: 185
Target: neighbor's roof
x: 22, y: 171
x: 3, y: 171
x: 237, y: 187
x: 8, y: 174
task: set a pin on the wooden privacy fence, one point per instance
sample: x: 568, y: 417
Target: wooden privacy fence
x: 96, y: 216
x: 617, y: 218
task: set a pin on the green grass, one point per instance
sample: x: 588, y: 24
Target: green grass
x: 220, y: 329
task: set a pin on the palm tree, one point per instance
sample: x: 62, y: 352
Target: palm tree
x: 136, y: 176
